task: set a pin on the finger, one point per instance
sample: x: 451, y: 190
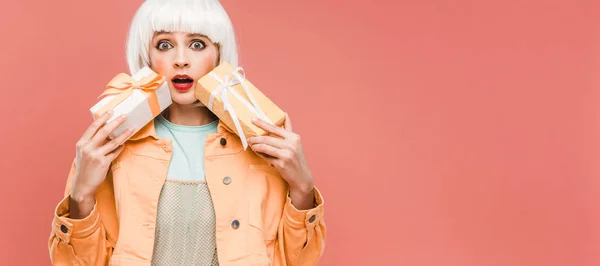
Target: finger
x: 266, y: 157
x: 275, y: 142
x: 288, y: 123
x: 116, y: 142
x: 268, y: 150
x: 93, y: 128
x: 103, y: 132
x: 271, y: 160
x: 272, y: 128
x: 115, y: 153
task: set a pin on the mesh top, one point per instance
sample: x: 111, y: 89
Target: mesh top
x: 185, y: 225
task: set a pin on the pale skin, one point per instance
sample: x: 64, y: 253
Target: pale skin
x: 173, y: 53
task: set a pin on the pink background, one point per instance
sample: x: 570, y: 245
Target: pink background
x: 440, y: 132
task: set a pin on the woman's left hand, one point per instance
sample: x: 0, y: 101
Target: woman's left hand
x: 284, y: 152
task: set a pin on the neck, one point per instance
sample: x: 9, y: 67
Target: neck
x: 189, y: 114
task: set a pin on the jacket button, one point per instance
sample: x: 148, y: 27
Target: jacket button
x: 64, y: 229
x: 235, y: 224
x: 312, y: 218
x: 227, y: 180
x: 223, y: 141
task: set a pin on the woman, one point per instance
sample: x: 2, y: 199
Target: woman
x: 182, y: 190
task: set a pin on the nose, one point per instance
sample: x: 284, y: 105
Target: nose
x: 181, y: 60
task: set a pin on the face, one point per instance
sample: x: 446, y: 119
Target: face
x: 182, y: 58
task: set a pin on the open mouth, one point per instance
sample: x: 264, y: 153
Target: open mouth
x: 182, y: 82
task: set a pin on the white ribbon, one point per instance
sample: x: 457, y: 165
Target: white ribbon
x: 231, y: 79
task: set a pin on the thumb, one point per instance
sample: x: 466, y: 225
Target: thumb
x: 288, y: 123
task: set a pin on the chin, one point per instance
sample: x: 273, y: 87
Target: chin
x: 185, y: 100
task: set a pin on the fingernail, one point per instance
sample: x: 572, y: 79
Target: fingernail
x: 254, y: 120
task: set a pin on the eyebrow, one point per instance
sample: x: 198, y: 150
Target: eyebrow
x: 196, y: 35
x: 189, y: 34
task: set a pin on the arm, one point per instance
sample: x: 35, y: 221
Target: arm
x: 78, y: 241
x: 301, y: 234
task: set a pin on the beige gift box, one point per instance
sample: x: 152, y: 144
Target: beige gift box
x: 142, y: 97
x: 236, y: 101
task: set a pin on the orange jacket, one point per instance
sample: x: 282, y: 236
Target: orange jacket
x: 120, y: 229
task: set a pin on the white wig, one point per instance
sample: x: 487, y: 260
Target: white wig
x: 206, y: 17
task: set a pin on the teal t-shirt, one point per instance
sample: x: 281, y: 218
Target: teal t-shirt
x: 185, y: 219
x: 187, y: 162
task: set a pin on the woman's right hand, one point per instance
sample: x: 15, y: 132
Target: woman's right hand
x: 95, y: 152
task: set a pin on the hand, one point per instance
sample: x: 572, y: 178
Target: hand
x: 284, y: 152
x: 94, y: 154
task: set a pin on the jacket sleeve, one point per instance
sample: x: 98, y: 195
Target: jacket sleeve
x: 77, y: 241
x: 301, y: 234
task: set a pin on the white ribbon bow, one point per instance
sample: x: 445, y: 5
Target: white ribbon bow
x: 231, y: 79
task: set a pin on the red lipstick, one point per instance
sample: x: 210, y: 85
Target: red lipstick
x: 182, y: 82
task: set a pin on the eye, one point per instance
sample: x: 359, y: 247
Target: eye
x: 197, y: 45
x: 163, y: 45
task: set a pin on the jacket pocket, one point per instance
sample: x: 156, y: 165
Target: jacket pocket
x: 262, y: 198
x: 252, y: 231
x: 122, y: 260
x: 119, y: 171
